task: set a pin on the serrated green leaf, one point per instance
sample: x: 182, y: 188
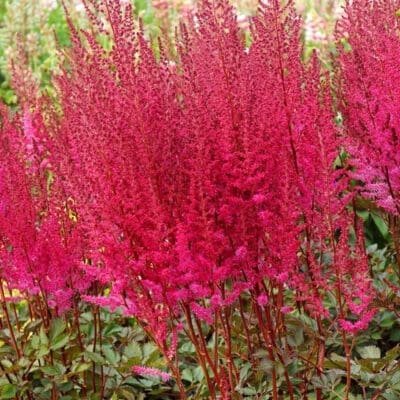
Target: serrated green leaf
x: 80, y: 367
x: 44, y: 340
x: 35, y: 342
x: 95, y: 357
x: 43, y: 351
x: 51, y: 370
x: 248, y: 391
x: 149, y: 349
x: 133, y: 350
x: 57, y: 327
x: 369, y: 352
x: 187, y: 375
x: 8, y: 391
x: 6, y: 363
x: 59, y: 342
x: 111, y: 329
x: 111, y: 356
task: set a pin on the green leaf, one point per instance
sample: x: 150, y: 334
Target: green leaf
x: 128, y: 395
x: 133, y: 350
x: 59, y: 342
x: 149, y: 350
x: 187, y: 375
x: 33, y: 325
x: 245, y: 372
x: 111, y: 356
x: 6, y: 363
x: 43, y: 351
x: 80, y: 367
x: 57, y: 327
x: 198, y: 374
x: 35, y: 342
x: 111, y: 329
x: 376, y: 336
x: 23, y: 362
x: 44, y: 340
x: 387, y: 320
x: 393, y: 353
x: 335, y: 361
x: 395, y: 334
x: 8, y: 391
x: 261, y: 353
x: 51, y: 370
x: 369, y: 352
x: 248, y: 391
x: 266, y: 366
x: 381, y: 225
x: 95, y: 357
x: 296, y: 338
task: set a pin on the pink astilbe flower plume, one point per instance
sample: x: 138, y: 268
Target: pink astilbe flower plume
x: 151, y: 372
x: 186, y: 173
x: 369, y: 49
x: 35, y: 256
x: 190, y: 181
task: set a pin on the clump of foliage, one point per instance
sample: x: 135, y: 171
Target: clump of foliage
x: 216, y: 190
x: 33, y: 29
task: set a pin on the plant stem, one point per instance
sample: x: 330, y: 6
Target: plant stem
x: 8, y: 320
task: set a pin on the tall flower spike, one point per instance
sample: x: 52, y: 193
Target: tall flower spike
x: 192, y: 172
x: 369, y: 48
x: 37, y: 255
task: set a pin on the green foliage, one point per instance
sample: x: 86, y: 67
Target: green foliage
x: 32, y: 27
x: 54, y: 358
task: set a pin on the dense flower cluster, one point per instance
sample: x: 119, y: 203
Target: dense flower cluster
x: 140, y: 370
x: 39, y: 252
x: 190, y: 177
x: 185, y: 172
x: 369, y: 60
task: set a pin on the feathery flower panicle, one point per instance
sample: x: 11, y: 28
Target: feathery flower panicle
x: 165, y: 377
x: 369, y: 49
x: 199, y: 180
x: 35, y: 256
x: 186, y: 175
x: 188, y: 180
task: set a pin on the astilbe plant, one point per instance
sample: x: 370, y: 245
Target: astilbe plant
x: 199, y: 184
x: 35, y: 256
x: 369, y: 45
x: 368, y: 88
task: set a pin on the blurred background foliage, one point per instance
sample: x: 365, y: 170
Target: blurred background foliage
x: 38, y: 29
